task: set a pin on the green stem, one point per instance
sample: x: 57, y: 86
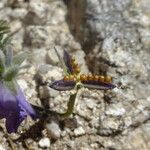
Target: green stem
x: 70, y: 104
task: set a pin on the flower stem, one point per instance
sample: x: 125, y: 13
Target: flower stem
x: 70, y: 104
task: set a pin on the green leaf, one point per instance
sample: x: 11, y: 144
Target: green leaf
x: 61, y: 61
x: 2, y: 62
x: 19, y: 58
x: 11, y: 73
x: 9, y: 56
x: 4, y: 29
x: 4, y: 41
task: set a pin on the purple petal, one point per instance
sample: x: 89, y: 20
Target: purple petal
x: 62, y: 85
x: 67, y: 60
x: 13, y: 121
x: 24, y: 105
x: 14, y: 107
x: 2, y: 113
x: 98, y: 85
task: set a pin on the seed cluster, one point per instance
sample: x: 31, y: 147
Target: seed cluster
x: 83, y: 78
x: 89, y: 77
x: 75, y: 67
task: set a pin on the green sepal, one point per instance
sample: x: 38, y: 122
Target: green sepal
x: 4, y: 29
x: 61, y: 62
x: 12, y: 86
x: 4, y: 41
x: 2, y: 62
x: 19, y: 58
x: 9, y: 56
x: 11, y: 73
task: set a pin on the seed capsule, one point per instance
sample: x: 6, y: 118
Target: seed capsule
x: 90, y: 77
x: 77, y: 70
x: 101, y: 78
x: 108, y: 79
x: 75, y: 65
x: 66, y: 78
x: 72, y: 60
x: 83, y: 77
x: 96, y: 77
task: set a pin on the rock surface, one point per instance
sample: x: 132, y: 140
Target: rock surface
x: 106, y: 37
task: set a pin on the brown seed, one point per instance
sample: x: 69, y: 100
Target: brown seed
x: 90, y: 77
x: 72, y: 60
x: 101, y: 78
x: 74, y: 65
x: 66, y: 78
x: 96, y: 77
x: 77, y: 70
x: 83, y: 77
x: 108, y: 79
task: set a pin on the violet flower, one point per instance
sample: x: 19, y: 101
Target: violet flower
x: 13, y: 104
x: 14, y: 107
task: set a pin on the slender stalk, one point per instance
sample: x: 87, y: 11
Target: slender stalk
x: 70, y: 104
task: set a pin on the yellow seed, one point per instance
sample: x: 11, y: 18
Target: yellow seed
x: 66, y: 78
x: 77, y: 70
x: 72, y: 60
x: 101, y: 78
x: 96, y: 77
x: 90, y: 77
x: 83, y: 77
x: 108, y: 79
x: 74, y: 65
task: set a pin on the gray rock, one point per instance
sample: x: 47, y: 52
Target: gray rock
x: 59, y: 16
x: 37, y: 56
x: 5, y: 13
x: 79, y: 131
x: 115, y: 35
x: 17, y: 39
x: 51, y: 57
x: 1, y: 5
x: 53, y: 130
x: 48, y: 73
x: 19, y: 13
x: 44, y: 143
x: 37, y: 14
x: 41, y: 34
x: 2, y: 148
x: 44, y: 92
x: 115, y: 110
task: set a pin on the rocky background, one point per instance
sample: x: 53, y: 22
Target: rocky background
x: 106, y: 37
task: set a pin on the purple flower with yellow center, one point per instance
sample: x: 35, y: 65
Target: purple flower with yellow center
x: 13, y: 104
x: 73, y: 77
